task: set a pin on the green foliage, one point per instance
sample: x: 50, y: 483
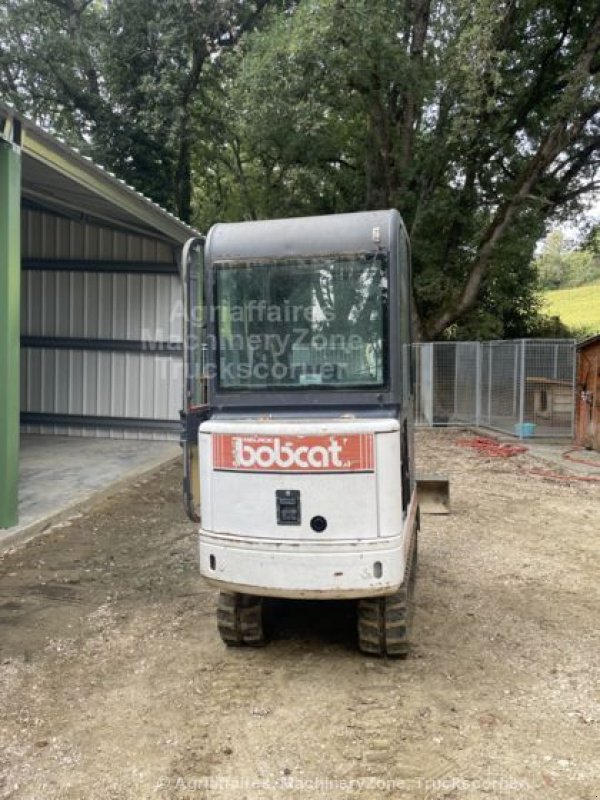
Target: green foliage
x: 561, y: 267
x: 444, y: 111
x: 509, y: 304
x: 120, y: 79
x: 478, y: 120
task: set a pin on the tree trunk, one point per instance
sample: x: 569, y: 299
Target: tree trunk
x: 560, y: 135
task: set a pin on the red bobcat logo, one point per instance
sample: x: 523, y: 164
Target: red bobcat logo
x: 256, y: 453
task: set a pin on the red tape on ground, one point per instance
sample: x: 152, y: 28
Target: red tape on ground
x: 491, y: 447
x: 495, y: 449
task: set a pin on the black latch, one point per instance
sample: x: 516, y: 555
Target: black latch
x: 288, y: 506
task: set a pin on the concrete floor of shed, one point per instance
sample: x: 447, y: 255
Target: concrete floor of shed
x: 566, y: 458
x: 60, y: 473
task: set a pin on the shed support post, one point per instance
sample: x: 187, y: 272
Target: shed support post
x: 478, y: 346
x: 10, y: 302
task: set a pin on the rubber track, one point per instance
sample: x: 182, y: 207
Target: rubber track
x: 240, y: 619
x: 384, y: 623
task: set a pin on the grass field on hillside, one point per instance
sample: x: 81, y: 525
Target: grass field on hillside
x: 578, y: 307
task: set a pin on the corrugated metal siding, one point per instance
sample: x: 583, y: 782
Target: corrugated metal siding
x: 45, y: 235
x: 101, y: 306
x: 90, y: 305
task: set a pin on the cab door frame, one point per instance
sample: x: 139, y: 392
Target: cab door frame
x: 195, y: 407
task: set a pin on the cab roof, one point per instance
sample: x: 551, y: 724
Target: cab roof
x: 364, y: 231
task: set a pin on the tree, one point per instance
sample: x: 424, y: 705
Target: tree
x: 552, y: 264
x: 560, y: 266
x: 121, y: 79
x: 478, y: 120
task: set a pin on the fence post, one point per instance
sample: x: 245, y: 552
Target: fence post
x: 456, y: 360
x: 574, y: 385
x: 516, y: 397
x: 478, y: 383
x: 522, y: 390
x: 490, y: 382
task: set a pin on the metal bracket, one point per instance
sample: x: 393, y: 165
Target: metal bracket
x: 11, y: 131
x: 190, y: 422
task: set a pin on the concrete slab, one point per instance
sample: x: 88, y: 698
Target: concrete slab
x: 59, y: 474
x: 567, y: 460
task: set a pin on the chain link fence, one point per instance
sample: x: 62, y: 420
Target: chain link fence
x: 523, y: 387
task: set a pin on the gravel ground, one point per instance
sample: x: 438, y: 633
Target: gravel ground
x: 114, y: 683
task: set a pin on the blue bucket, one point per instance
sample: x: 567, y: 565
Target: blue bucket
x: 525, y: 430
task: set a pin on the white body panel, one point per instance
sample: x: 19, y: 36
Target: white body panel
x: 362, y: 550
x: 250, y: 506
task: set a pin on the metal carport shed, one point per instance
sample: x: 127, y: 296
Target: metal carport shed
x: 90, y: 302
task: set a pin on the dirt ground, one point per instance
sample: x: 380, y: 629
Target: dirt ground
x: 114, y: 683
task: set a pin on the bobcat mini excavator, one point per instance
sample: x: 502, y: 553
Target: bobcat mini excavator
x: 298, y: 419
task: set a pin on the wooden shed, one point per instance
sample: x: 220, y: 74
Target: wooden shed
x: 587, y: 430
